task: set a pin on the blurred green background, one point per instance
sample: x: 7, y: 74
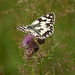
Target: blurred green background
x: 18, y: 12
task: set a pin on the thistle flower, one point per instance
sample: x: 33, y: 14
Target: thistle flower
x: 30, y: 45
x: 28, y: 38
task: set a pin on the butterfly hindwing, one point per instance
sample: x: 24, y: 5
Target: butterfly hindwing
x: 40, y: 28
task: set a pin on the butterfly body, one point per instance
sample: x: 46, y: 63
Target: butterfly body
x: 40, y: 28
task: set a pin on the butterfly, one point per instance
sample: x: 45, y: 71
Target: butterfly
x: 41, y: 28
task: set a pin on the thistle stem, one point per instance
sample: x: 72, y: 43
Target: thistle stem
x: 32, y: 71
x: 41, y: 68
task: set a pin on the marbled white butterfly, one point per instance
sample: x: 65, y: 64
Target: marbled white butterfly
x: 40, y: 28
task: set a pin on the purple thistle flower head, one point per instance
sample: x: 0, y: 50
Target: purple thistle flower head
x: 28, y: 39
x: 30, y: 45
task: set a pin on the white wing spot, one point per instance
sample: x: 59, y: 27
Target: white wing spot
x: 43, y: 26
x: 42, y: 22
x: 47, y: 22
x: 42, y: 32
x: 47, y: 35
x: 51, y: 16
x: 47, y: 15
x: 35, y: 22
x: 48, y: 19
x: 37, y: 27
x: 43, y: 18
x: 51, y: 24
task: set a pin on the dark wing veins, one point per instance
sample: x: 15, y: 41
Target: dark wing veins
x: 33, y: 28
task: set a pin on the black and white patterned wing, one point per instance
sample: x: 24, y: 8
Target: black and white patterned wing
x: 40, y: 28
x: 44, y: 25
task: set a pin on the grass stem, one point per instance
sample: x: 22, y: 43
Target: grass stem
x: 41, y: 68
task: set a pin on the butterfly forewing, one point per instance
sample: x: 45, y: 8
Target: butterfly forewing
x: 44, y: 25
x: 48, y: 19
